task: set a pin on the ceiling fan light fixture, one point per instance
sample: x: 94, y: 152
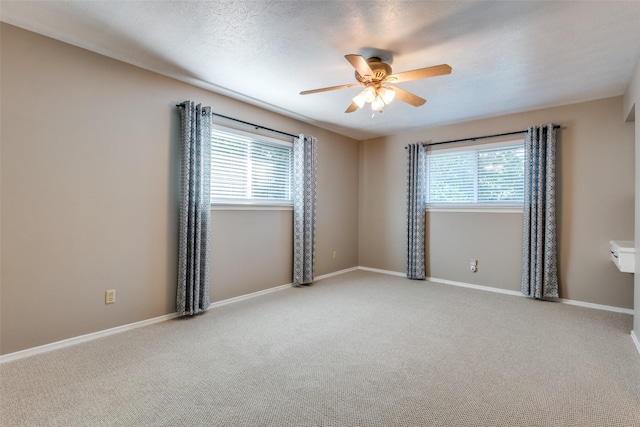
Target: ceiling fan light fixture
x: 369, y: 94
x: 387, y: 94
x: 359, y: 100
x: 377, y: 104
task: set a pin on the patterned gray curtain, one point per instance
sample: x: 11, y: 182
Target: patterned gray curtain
x: 195, y: 210
x: 305, y: 171
x: 416, y: 210
x: 539, y: 262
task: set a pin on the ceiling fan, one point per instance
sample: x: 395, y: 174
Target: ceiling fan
x: 374, y: 75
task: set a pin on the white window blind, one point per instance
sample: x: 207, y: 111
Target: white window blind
x: 487, y: 175
x: 249, y: 169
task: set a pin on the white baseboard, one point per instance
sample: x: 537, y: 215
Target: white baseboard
x: 376, y: 270
x: 112, y: 331
x: 472, y: 286
x: 596, y: 306
x: 247, y: 296
x: 83, y: 338
x: 635, y: 340
x: 335, y: 273
x: 506, y: 291
x: 520, y: 294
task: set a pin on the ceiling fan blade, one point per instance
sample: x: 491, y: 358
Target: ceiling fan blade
x: 326, y: 89
x: 352, y: 107
x: 360, y: 64
x: 420, y: 73
x: 408, y: 97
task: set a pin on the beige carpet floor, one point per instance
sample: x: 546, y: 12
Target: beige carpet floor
x: 359, y: 349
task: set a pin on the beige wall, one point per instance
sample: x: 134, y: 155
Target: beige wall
x: 457, y: 237
x: 631, y: 101
x: 595, y: 205
x: 89, y: 174
x: 251, y: 251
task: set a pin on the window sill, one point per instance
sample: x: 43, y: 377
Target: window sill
x: 476, y: 209
x: 249, y: 207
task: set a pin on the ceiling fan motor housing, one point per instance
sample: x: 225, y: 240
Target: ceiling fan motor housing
x: 380, y: 71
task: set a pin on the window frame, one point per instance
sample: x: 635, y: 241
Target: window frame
x: 230, y: 203
x: 496, y: 207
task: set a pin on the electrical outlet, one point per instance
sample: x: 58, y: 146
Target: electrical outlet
x: 334, y: 254
x: 110, y: 296
x: 473, y: 265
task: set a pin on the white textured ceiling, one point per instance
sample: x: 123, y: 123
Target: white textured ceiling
x: 507, y: 56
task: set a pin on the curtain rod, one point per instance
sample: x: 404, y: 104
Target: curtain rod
x: 483, y: 137
x: 248, y: 123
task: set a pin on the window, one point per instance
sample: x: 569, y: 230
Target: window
x: 491, y: 174
x: 250, y: 169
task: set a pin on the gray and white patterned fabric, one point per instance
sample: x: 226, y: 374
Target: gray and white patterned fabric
x: 195, y: 210
x: 305, y: 172
x: 539, y: 261
x: 416, y: 210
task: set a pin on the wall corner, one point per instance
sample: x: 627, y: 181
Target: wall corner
x: 631, y: 98
x: 632, y: 95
